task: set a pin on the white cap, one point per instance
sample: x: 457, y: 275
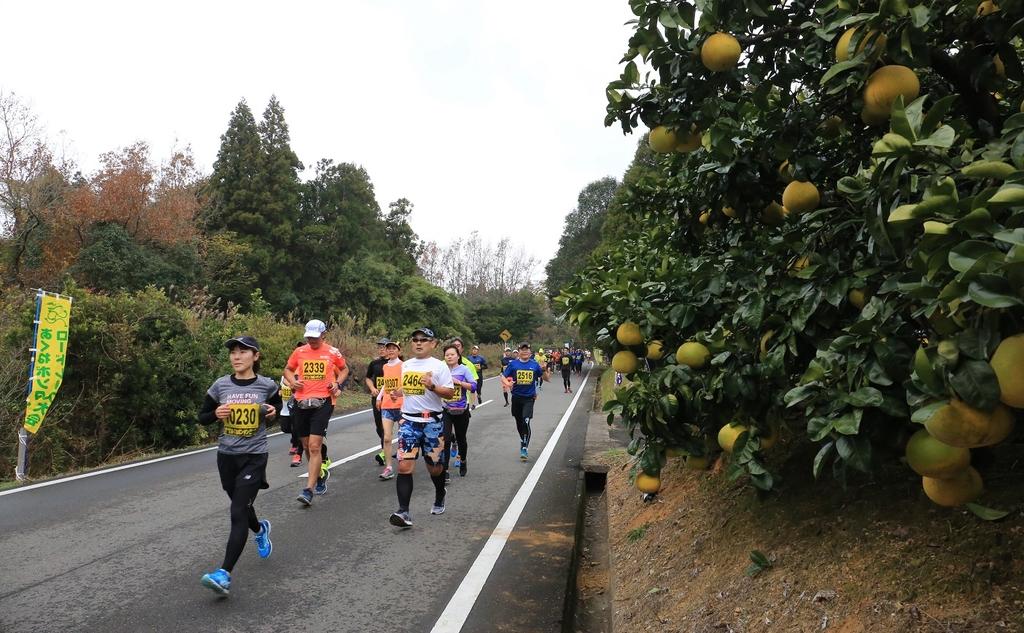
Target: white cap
x: 315, y: 329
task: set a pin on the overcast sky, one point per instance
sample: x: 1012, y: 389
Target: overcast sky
x: 487, y: 115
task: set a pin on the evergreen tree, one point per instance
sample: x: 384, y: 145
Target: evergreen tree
x: 278, y: 195
x: 581, y: 234
x: 233, y: 186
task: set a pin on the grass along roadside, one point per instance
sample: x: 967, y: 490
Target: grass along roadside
x: 348, y: 402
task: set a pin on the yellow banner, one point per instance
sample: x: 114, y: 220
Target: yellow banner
x: 53, y: 320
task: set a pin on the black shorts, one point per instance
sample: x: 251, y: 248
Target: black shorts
x: 312, y: 421
x: 286, y: 423
x: 246, y: 469
x: 522, y: 407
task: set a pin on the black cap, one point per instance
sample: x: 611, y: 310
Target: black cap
x: 425, y: 331
x: 244, y: 341
x: 524, y: 345
x: 383, y: 341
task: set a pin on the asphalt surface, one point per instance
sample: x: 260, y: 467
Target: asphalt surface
x: 124, y: 550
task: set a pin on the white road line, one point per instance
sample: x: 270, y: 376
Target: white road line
x: 454, y: 615
x: 147, y: 462
x: 95, y: 473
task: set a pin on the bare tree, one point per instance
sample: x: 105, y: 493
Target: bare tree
x: 29, y: 180
x: 471, y: 265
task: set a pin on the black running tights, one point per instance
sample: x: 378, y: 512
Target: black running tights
x: 243, y: 518
x: 457, y: 427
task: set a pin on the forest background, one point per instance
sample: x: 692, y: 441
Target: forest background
x: 165, y: 262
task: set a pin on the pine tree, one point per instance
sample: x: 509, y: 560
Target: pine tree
x: 234, y: 182
x: 279, y: 195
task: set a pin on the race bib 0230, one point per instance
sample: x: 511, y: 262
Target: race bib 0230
x: 243, y: 421
x: 412, y: 383
x: 314, y: 369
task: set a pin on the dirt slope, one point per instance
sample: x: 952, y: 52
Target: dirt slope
x: 880, y: 558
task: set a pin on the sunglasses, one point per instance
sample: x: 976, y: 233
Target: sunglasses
x: 421, y: 340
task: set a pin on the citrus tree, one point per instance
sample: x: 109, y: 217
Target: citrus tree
x: 829, y: 240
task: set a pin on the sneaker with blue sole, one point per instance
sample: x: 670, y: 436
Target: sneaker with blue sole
x: 263, y: 545
x: 305, y: 497
x: 321, y: 486
x: 219, y: 581
x: 524, y: 454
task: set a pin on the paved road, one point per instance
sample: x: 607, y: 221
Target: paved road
x: 124, y: 550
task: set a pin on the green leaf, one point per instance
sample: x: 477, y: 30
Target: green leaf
x: 966, y: 255
x: 942, y: 137
x: 975, y: 382
x: 863, y: 397
x: 849, y: 422
x: 819, y: 459
x: 992, y: 291
x: 985, y: 513
x: 935, y: 115
x: 919, y: 15
x: 839, y: 67
x: 925, y: 413
x: 1015, y: 236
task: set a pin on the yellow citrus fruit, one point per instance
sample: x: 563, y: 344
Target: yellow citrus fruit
x: 728, y: 434
x: 786, y: 172
x: 625, y: 362
x: 929, y: 457
x: 629, y: 334
x: 720, y: 52
x: 831, y: 127
x: 843, y: 45
x: 693, y: 354
x: 874, y: 115
x: 647, y: 483
x: 704, y: 217
x: 987, y: 7
x: 801, y: 262
x: 963, y: 426
x: 856, y: 298
x: 690, y: 142
x: 800, y: 197
x: 655, y: 350
x: 961, y: 488
x: 1008, y: 363
x: 768, y: 441
x: 887, y: 83
x: 729, y: 212
x: 662, y: 140
x: 774, y: 214
x: 999, y: 66
x: 694, y: 462
x: 763, y: 346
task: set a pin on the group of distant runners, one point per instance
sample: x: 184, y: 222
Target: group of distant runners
x: 423, y: 400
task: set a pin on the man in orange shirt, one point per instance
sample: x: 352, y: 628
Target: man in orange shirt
x: 315, y: 372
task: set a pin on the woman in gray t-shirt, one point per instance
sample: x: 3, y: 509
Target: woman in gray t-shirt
x: 243, y: 401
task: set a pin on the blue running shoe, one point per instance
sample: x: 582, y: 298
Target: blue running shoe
x: 219, y: 581
x: 321, y: 486
x: 305, y: 497
x: 523, y: 454
x: 263, y: 545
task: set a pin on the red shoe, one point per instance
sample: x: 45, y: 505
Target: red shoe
x: 296, y: 459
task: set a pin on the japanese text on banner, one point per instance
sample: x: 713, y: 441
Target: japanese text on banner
x: 51, y: 345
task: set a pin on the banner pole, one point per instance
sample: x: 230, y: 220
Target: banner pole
x: 21, y: 467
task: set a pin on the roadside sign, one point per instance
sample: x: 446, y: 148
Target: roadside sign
x: 505, y: 335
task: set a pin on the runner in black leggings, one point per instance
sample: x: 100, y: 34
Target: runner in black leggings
x: 243, y: 401
x: 456, y: 411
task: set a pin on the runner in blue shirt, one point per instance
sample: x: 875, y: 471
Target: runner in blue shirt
x: 521, y: 375
x: 480, y: 363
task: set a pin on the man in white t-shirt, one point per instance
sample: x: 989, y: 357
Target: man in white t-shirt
x: 426, y: 382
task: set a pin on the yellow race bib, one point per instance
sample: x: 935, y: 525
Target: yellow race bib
x: 456, y: 396
x: 412, y: 383
x: 286, y: 392
x: 380, y: 381
x: 243, y: 421
x: 524, y: 376
x: 314, y: 369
